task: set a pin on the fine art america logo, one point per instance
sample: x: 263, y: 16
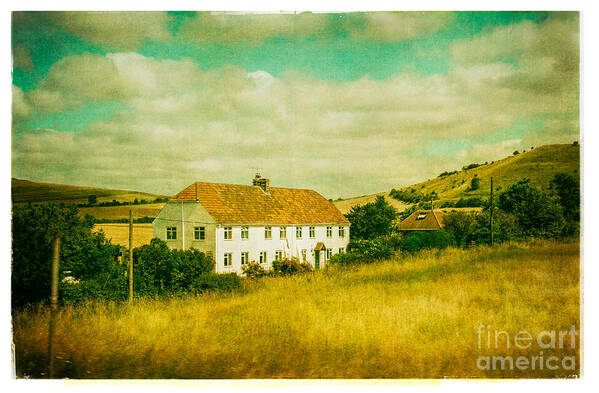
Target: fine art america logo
x: 543, y: 346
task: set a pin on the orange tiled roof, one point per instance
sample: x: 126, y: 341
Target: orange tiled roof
x: 433, y: 220
x: 241, y: 204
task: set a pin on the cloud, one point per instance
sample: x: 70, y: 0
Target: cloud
x: 114, y: 30
x: 185, y: 124
x: 21, y: 58
x: 20, y: 107
x: 397, y: 26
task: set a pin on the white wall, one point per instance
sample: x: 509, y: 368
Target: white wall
x: 290, y: 247
x: 194, y: 214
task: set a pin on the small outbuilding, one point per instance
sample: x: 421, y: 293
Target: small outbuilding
x: 423, y: 220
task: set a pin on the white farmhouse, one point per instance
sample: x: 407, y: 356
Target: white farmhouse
x: 236, y: 224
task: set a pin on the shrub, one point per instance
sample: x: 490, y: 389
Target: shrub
x: 227, y: 282
x: 287, y: 267
x: 347, y: 259
x: 474, y: 183
x: 416, y: 241
x: 253, y: 270
x: 370, y: 249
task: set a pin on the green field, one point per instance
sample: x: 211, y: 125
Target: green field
x: 411, y: 317
x: 25, y: 191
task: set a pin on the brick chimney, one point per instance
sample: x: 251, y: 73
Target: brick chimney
x: 260, y: 182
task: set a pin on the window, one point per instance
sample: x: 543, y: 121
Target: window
x: 298, y: 232
x: 199, y: 233
x: 341, y: 231
x: 329, y: 231
x: 171, y: 233
x: 245, y: 233
x: 278, y: 255
x: 262, y: 256
x: 341, y: 250
x: 304, y: 255
x: 268, y: 232
x: 228, y: 261
x: 421, y: 216
x: 311, y: 232
x: 283, y: 233
x: 228, y: 233
x: 244, y: 258
x: 329, y: 253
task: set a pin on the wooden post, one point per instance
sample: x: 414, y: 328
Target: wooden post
x: 53, y: 303
x: 491, y: 211
x: 130, y: 255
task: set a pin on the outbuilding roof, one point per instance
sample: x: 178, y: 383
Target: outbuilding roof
x: 244, y: 204
x: 423, y: 220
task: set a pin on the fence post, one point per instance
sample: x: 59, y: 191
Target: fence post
x: 130, y: 255
x: 53, y: 304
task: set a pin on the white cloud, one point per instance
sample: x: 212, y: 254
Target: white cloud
x: 186, y: 124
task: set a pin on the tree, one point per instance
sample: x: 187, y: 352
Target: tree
x: 536, y: 214
x: 460, y: 225
x: 84, y: 254
x: 372, y: 219
x: 567, y: 189
x: 475, y: 183
x: 92, y: 200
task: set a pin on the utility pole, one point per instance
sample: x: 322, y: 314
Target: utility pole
x: 491, y: 210
x: 130, y: 255
x: 53, y: 303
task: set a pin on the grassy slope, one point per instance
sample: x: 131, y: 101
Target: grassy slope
x: 539, y: 165
x: 24, y: 191
x: 417, y: 317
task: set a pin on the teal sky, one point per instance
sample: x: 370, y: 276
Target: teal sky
x: 75, y: 74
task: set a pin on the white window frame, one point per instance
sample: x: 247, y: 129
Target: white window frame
x: 227, y: 259
x: 245, y: 233
x: 282, y: 232
x: 262, y: 259
x: 341, y: 250
x: 245, y: 257
x: 229, y: 231
x: 329, y: 231
x: 298, y: 232
x: 278, y: 255
x: 268, y: 232
x: 341, y: 231
x: 312, y: 232
x: 171, y: 233
x: 199, y: 233
x: 329, y: 253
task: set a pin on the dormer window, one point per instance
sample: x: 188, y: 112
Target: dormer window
x: 421, y: 216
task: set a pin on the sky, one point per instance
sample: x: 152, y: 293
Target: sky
x: 346, y: 104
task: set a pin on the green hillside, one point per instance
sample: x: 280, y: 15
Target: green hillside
x: 539, y: 165
x: 24, y: 191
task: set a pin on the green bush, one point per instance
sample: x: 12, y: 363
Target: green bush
x: 348, y: 259
x: 370, y: 249
x: 287, y: 267
x: 372, y: 219
x: 418, y: 240
x: 228, y: 282
x: 253, y: 270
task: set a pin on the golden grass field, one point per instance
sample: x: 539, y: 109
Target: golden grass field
x: 120, y: 212
x: 415, y: 317
x: 119, y: 233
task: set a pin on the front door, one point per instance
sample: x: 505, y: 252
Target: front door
x: 316, y: 259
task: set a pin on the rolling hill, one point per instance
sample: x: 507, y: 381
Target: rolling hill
x: 25, y: 191
x: 539, y: 165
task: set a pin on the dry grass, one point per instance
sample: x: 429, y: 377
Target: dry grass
x: 411, y: 318
x: 119, y: 233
